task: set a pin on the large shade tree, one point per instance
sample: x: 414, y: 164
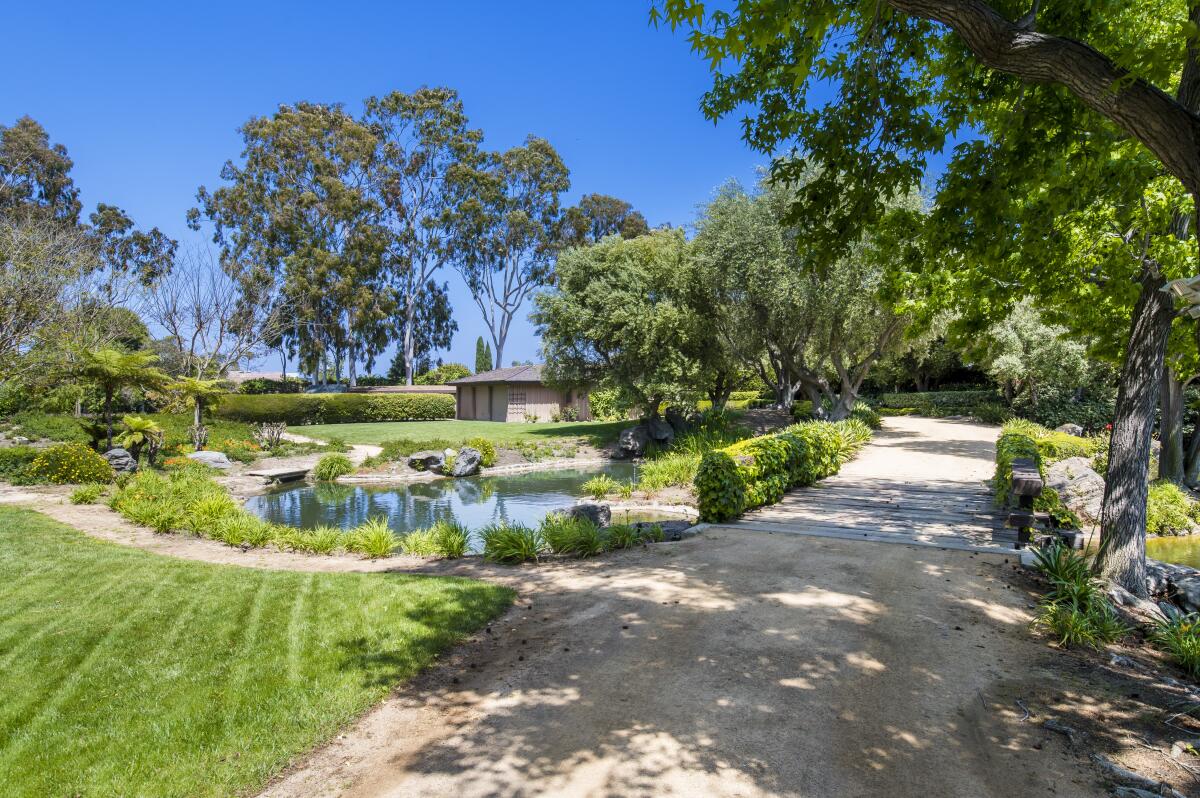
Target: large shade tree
x: 908, y: 75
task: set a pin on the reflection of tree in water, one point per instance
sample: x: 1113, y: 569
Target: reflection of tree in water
x: 333, y: 493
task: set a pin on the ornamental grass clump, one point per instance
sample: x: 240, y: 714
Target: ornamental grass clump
x: 332, y: 466
x: 419, y: 542
x: 570, y: 535
x: 88, y: 494
x: 373, y: 539
x: 623, y: 536
x: 1076, y: 611
x: 510, y: 543
x: 1180, y: 638
x: 451, y: 539
x: 674, y: 469
x: 600, y: 486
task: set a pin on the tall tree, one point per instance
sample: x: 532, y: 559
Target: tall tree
x: 35, y: 175
x: 508, y: 230
x: 910, y: 74
x: 618, y: 317
x: 422, y: 143
x: 300, y: 206
x: 599, y: 215
x: 434, y: 327
x: 483, y: 356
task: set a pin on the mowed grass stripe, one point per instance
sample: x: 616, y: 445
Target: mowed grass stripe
x: 189, y: 679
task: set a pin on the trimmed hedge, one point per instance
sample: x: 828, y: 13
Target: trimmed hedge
x: 943, y: 399
x: 335, y: 408
x: 757, y: 471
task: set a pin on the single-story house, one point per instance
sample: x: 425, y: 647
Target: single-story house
x: 512, y: 394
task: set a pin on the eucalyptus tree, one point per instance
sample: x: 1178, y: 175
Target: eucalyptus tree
x: 1102, y: 85
x: 599, y: 215
x: 422, y: 142
x: 508, y: 230
x: 35, y: 174
x: 300, y: 206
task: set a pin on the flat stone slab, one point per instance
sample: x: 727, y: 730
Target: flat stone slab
x: 279, y: 474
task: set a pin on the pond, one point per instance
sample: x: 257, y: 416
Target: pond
x: 474, y: 502
x: 1183, y: 550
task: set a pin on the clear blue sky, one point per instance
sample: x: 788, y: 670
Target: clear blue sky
x: 147, y: 97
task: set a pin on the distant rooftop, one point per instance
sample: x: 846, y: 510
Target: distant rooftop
x: 513, y: 374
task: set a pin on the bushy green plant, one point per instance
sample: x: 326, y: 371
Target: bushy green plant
x: 623, y: 536
x: 486, y: 450
x: 49, y: 426
x: 866, y: 414
x: 1180, y: 637
x: 70, y: 464
x: 1076, y: 610
x: 332, y: 466
x: 15, y: 462
x: 88, y: 494
x: 419, y: 542
x: 671, y: 469
x: 565, y: 534
x: 606, y: 405
x: 207, y: 513
x: 504, y: 542
x: 853, y: 434
x: 451, y: 539
x: 339, y: 408
x: 322, y: 539
x: 600, y: 486
x: 652, y: 533
x: 1169, y: 511
x: 373, y: 538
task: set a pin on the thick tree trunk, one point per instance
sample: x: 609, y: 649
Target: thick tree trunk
x: 1122, y: 557
x: 1170, y: 427
x: 841, y: 407
x: 410, y: 315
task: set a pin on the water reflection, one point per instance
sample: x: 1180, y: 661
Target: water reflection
x: 1183, y: 550
x: 473, y: 501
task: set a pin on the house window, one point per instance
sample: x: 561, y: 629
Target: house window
x: 516, y: 404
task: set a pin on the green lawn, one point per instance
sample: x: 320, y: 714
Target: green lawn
x: 498, y: 432
x: 127, y: 673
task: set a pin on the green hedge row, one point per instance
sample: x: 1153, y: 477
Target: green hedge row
x: 336, y: 408
x: 936, y: 398
x: 757, y: 471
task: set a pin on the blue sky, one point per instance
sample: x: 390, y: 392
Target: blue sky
x: 147, y: 97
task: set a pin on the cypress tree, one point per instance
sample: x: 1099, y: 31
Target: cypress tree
x: 483, y: 356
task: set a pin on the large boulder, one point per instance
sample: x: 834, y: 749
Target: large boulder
x: 212, y: 459
x: 598, y: 513
x: 1079, y: 487
x: 427, y: 460
x: 661, y: 431
x: 466, y: 462
x: 121, y: 461
x: 1070, y: 429
x: 633, y: 441
x: 1187, y: 593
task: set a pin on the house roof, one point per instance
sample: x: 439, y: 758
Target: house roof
x: 514, y: 374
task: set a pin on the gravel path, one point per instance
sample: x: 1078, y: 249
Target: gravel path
x: 740, y: 662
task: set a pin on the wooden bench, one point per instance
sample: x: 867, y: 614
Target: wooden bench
x: 1027, y: 485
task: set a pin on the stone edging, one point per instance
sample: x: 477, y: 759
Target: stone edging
x: 515, y: 468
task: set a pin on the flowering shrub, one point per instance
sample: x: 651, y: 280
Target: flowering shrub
x: 70, y: 464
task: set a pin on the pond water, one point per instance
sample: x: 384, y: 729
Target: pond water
x: 474, y: 502
x: 1184, y: 550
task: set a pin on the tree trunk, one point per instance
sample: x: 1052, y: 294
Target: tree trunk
x: 1170, y: 427
x: 1122, y: 556
x: 198, y: 412
x: 841, y: 407
x: 410, y: 316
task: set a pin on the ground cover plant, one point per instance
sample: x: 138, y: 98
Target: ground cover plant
x: 332, y: 466
x: 145, y: 675
x: 1075, y: 611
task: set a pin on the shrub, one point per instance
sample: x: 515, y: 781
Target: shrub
x: 623, y: 536
x: 70, y: 464
x: 511, y: 543
x: 564, y: 534
x: 1181, y: 639
x: 606, y: 405
x: 672, y: 469
x: 1076, y: 611
x: 758, y: 470
x: 88, y: 494
x: 322, y: 539
x: 600, y: 486
x: 1168, y: 510
x: 373, y: 538
x: 332, y: 466
x: 419, y: 542
x: 451, y: 538
x: 652, y: 534
x: 866, y: 414
x: 485, y: 448
x: 343, y: 408
x: 261, y: 385
x: 937, y: 399
x: 36, y: 426
x: 15, y: 462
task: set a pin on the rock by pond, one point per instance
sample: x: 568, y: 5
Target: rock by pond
x: 466, y: 462
x: 212, y: 459
x: 427, y: 460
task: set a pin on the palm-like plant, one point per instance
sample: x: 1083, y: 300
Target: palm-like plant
x: 140, y: 433
x: 201, y: 392
x: 112, y: 369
